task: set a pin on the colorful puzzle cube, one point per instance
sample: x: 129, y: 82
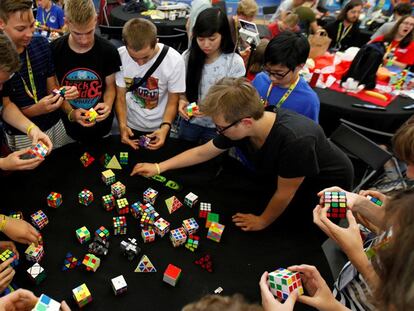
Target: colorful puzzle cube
x: 148, y: 235
x: 192, y: 242
x: 191, y: 108
x: 82, y: 295
x: 119, y: 285
x: 172, y: 275
x: 108, y: 202
x: 212, y: 217
x: 145, y: 265
x: 173, y: 204
x: 102, y: 234
x: 122, y: 206
x: 39, y: 150
x: 190, y: 225
x: 178, y: 236
x: 136, y: 209
x: 36, y: 273
x: 374, y: 200
x: 146, y: 221
x: 91, y: 115
x: 108, y: 177
x: 205, y: 208
x: 39, y: 219
x: 336, y: 202
x: 205, y: 262
x: 85, y: 197
x: 86, y: 159
x: 282, y: 282
x: 143, y: 141
x: 16, y: 215
x: 83, y: 235
x: 150, y: 195
x: 6, y: 255
x: 120, y: 225
x: 34, y: 253
x: 91, y: 262
x: 215, y: 231
x: 130, y: 248
x: 70, y: 262
x: 54, y: 199
x: 118, y: 189
x: 190, y: 199
x: 105, y: 158
x: 161, y: 227
x: 123, y: 158
x: 99, y: 247
x: 61, y: 91
x: 45, y: 303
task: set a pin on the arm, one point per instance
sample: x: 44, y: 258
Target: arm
x: 104, y: 109
x: 313, y: 27
x: 121, y: 113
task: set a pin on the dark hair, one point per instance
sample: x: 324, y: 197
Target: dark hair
x: 288, y: 48
x: 208, y: 22
x: 348, y: 7
x: 388, y: 37
x: 403, y: 9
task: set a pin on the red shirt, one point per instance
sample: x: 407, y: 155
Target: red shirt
x: 403, y: 55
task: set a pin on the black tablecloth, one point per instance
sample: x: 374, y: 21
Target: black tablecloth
x: 239, y: 259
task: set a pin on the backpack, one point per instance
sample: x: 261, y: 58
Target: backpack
x: 365, y: 64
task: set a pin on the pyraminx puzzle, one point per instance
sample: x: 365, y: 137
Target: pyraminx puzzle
x: 145, y: 265
x: 205, y: 262
x: 282, y: 282
x: 70, y: 262
x: 173, y: 204
x: 336, y: 202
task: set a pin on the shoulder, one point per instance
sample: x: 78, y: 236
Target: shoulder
x: 296, y: 126
x: 304, y: 86
x: 104, y: 44
x: 261, y: 79
x: 57, y: 9
x: 172, y: 53
x: 39, y: 45
x: 378, y: 39
x: 39, y: 41
x: 232, y: 57
x: 59, y: 43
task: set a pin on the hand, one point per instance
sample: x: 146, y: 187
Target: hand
x: 126, y: 133
x: 145, y: 169
x: 249, y: 222
x: 49, y: 103
x: 352, y: 199
x: 6, y: 274
x: 9, y: 245
x: 63, y: 306
x: 21, y: 231
x: 158, y: 138
x: 36, y: 134
x: 376, y: 194
x: 103, y: 110
x: 270, y: 303
x: 79, y: 115
x: 19, y: 300
x: 71, y: 92
x: 182, y: 108
x: 13, y: 162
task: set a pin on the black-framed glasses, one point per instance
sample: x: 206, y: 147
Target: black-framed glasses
x: 221, y: 129
x: 276, y: 74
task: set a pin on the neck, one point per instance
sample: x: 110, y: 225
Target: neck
x: 398, y: 37
x: 291, y: 81
x: 48, y: 6
x: 346, y: 23
x: 262, y: 128
x: 213, y: 56
x: 78, y: 49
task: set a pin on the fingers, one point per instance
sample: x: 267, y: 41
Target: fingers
x: 22, y: 295
x: 290, y: 302
x: 138, y: 169
x: 242, y: 221
x: 334, y: 188
x: 351, y: 218
x: 132, y: 143
x: 267, y: 296
x: 64, y: 306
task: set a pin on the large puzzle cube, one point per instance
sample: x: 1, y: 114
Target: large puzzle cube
x: 118, y: 189
x: 70, y: 262
x: 34, y: 253
x: 282, y: 282
x: 102, y: 234
x: 205, y: 208
x: 86, y: 159
x: 119, y: 285
x: 36, y: 273
x: 172, y: 274
x: 85, y: 197
x: 173, y: 204
x: 54, y: 199
x: 108, y: 177
x: 130, y: 248
x: 190, y: 199
x: 212, y: 217
x: 150, y: 195
x: 82, y: 295
x: 178, y: 236
x: 123, y: 158
x: 39, y: 150
x: 39, y: 219
x: 91, y: 115
x: 120, y: 225
x: 161, y: 227
x: 192, y: 242
x: 108, y: 202
x: 215, y: 231
x: 122, y: 206
x: 83, y: 235
x: 136, y: 209
x: 45, y: 303
x: 190, y: 225
x: 191, y: 108
x: 6, y: 255
x: 336, y: 202
x: 148, y: 235
x: 91, y: 262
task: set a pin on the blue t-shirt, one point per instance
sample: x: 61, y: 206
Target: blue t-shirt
x: 302, y: 100
x: 52, y: 18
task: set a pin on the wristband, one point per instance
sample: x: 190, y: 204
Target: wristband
x: 166, y: 123
x: 158, y: 168
x: 29, y: 128
x: 69, y: 117
x: 3, y: 222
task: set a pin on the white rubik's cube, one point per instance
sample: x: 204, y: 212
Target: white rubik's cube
x: 150, y: 195
x: 45, y: 303
x: 122, y: 206
x: 282, y: 282
x: 34, y: 253
x: 85, y: 197
x: 39, y: 219
x: 178, y: 236
x: 173, y: 204
x: 108, y: 177
x: 205, y: 208
x: 148, y: 235
x: 118, y: 189
x: 36, y: 273
x: 161, y: 227
x: 190, y: 199
x: 190, y: 225
x: 119, y: 285
x: 83, y: 235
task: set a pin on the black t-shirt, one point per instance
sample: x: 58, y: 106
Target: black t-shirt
x: 87, y: 71
x: 353, y: 38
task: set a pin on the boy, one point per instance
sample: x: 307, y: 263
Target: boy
x: 49, y: 15
x: 286, y: 150
x: 150, y: 106
x: 89, y: 62
x: 280, y: 84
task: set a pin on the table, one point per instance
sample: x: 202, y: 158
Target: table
x: 239, y: 259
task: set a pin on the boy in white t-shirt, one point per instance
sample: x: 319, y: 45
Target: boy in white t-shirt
x: 152, y: 106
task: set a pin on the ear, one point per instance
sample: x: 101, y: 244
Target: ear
x: 2, y: 24
x: 247, y: 121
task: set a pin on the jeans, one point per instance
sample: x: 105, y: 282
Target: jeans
x: 195, y: 133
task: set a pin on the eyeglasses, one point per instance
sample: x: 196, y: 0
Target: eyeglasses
x: 221, y: 129
x: 276, y: 75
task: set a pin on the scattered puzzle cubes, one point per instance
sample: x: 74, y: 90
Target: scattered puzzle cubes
x: 173, y: 204
x: 145, y: 265
x: 161, y: 227
x: 6, y: 255
x: 122, y: 206
x: 336, y: 202
x: 143, y: 141
x: 82, y: 295
x: 39, y: 219
x: 172, y: 274
x: 36, y: 273
x: 108, y: 202
x: 108, y: 177
x: 91, y: 262
x: 45, y: 303
x: 191, y: 108
x: 119, y: 285
x: 130, y: 248
x: 54, y: 199
x: 374, y: 200
x: 70, y: 262
x: 118, y: 189
x: 212, y: 217
x: 150, y: 195
x: 34, y: 253
x: 123, y: 158
x: 148, y: 235
x: 205, y: 262
x: 190, y: 199
x: 146, y: 221
x: 120, y: 225
x: 215, y: 231
x: 98, y: 247
x: 178, y: 236
x: 192, y: 242
x: 205, y: 208
x: 136, y: 209
x: 102, y: 234
x: 40, y: 150
x: 190, y: 225
x: 16, y: 215
x: 86, y: 159
x: 83, y: 235
x: 85, y: 197
x: 282, y: 282
x: 91, y: 115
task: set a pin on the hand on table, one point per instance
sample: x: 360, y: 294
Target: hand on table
x: 13, y: 162
x: 249, y: 222
x: 21, y: 231
x: 158, y: 138
x: 270, y: 303
x: 126, y: 134
x: 103, y: 110
x: 6, y: 274
x: 145, y: 169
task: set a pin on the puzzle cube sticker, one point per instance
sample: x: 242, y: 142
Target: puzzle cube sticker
x: 39, y: 219
x: 374, y: 200
x: 86, y: 159
x: 91, y: 115
x: 82, y: 295
x: 144, y: 141
x: 282, y: 282
x: 336, y: 202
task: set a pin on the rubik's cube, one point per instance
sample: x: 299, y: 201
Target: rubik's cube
x: 215, y: 231
x: 108, y: 177
x: 82, y: 295
x: 192, y: 242
x: 123, y: 158
x: 99, y: 247
x: 91, y: 262
x: 102, y: 234
x: 148, y: 235
x: 136, y: 209
x: 119, y: 285
x: 172, y: 275
x: 16, y: 215
x: 83, y: 235
x: 122, y: 206
x: 178, y: 236
x: 54, y: 199
x: 190, y: 226
x: 34, y: 253
x: 143, y: 141
x: 108, y: 202
x: 120, y: 225
x: 61, y: 91
x: 336, y: 201
x: 86, y: 159
x: 190, y: 199
x: 39, y: 219
x: 146, y: 220
x: 161, y: 227
x: 36, y: 273
x: 282, y: 282
x: 91, y: 115
x: 45, y: 303
x: 205, y: 262
x: 118, y: 189
x: 40, y: 150
x: 6, y: 255
x: 374, y: 200
x: 85, y: 197
x: 191, y: 108
x: 212, y: 217
x: 173, y: 204
x: 149, y: 209
x: 70, y: 262
x: 150, y: 195
x: 130, y: 248
x: 205, y: 208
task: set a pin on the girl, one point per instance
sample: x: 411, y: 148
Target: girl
x: 210, y: 58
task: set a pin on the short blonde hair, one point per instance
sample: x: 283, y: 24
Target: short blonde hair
x: 9, y: 7
x: 139, y: 33
x: 291, y: 19
x: 219, y: 303
x: 233, y: 99
x: 9, y: 59
x: 247, y: 8
x: 79, y: 12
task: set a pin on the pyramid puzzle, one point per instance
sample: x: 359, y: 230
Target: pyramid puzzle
x: 71, y: 262
x: 145, y: 265
x: 173, y: 204
x: 114, y: 164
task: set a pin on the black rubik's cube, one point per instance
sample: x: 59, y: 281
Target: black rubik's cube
x: 336, y: 201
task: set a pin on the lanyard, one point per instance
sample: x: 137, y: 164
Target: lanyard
x: 236, y: 29
x: 341, y: 35
x: 47, y: 16
x: 390, y: 47
x: 284, y: 97
x: 31, y: 79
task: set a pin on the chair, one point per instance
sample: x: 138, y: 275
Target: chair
x: 112, y: 33
x: 268, y: 10
x: 178, y: 40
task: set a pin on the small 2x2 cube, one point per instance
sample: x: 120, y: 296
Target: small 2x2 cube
x: 83, y: 235
x: 119, y: 285
x: 190, y: 199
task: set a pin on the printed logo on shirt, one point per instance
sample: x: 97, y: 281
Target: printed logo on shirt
x: 52, y: 19
x: 89, y: 85
x: 146, y: 96
x: 402, y: 51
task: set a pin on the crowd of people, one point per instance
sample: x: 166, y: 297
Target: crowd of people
x: 269, y: 125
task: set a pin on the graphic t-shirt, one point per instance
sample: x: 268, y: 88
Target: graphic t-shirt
x: 404, y: 55
x: 54, y: 18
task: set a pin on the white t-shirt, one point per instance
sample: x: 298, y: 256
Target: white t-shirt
x: 146, y: 104
x: 286, y: 5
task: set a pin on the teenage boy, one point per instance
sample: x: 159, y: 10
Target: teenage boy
x: 280, y: 85
x: 50, y: 16
x: 89, y: 62
x: 286, y: 150
x: 148, y: 106
x: 31, y: 87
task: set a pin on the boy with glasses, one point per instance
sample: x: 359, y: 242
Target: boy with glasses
x: 280, y: 84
